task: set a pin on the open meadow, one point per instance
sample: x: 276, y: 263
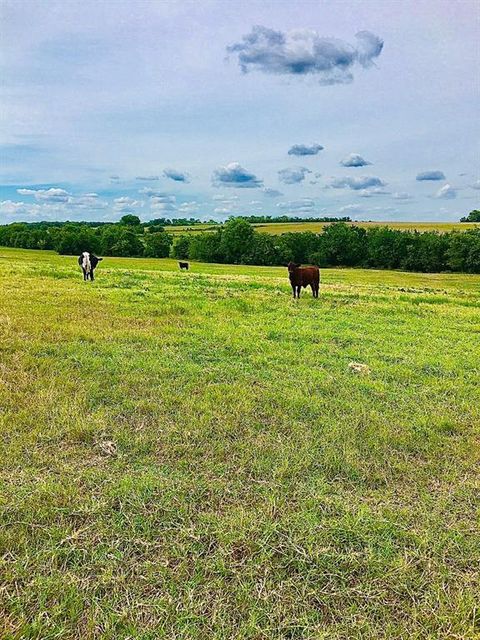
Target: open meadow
x: 187, y: 455
x: 276, y: 228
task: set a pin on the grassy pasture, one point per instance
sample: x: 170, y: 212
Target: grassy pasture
x: 276, y: 228
x: 188, y: 455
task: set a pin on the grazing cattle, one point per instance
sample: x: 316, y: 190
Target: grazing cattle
x: 303, y: 277
x: 88, y: 262
x: 183, y: 265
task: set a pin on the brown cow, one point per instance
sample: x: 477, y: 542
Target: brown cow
x: 302, y: 277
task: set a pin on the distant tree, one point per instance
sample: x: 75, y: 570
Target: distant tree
x: 130, y: 220
x: 298, y: 247
x: 463, y: 253
x: 343, y: 245
x: 157, y: 245
x: 473, y: 216
x: 237, y: 240
x: 127, y: 244
x: 265, y: 250
x: 206, y: 247
x: 181, y: 248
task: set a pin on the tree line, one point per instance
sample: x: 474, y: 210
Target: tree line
x: 237, y: 242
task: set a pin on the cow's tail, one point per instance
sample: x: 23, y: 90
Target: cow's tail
x: 86, y: 264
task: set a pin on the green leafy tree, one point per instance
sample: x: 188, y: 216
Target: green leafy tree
x: 128, y: 245
x: 157, y: 245
x: 236, y: 243
x: 181, y: 248
x: 129, y: 220
x: 463, y: 253
x: 206, y: 247
x: 473, y: 216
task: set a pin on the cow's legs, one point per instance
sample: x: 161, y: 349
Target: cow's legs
x: 91, y: 276
x: 299, y: 289
x: 294, y: 291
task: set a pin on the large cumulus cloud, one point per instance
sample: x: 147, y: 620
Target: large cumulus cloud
x: 234, y: 175
x: 304, y: 52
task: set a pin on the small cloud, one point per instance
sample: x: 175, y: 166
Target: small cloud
x: 114, y: 178
x: 363, y: 182
x: 188, y: 207
x: 234, y: 175
x: 163, y: 198
x: 354, y: 160
x: 218, y: 197
x: 87, y: 201
x: 271, y: 193
x: 401, y: 196
x: 305, y: 149
x: 375, y: 191
x: 304, y: 205
x: 447, y: 192
x: 304, y: 52
x: 351, y: 208
x: 476, y: 185
x: 430, y: 175
x: 147, y: 178
x: 46, y: 195
x: 222, y: 210
x: 293, y: 175
x: 164, y: 207
x: 125, y: 204
x: 178, y: 176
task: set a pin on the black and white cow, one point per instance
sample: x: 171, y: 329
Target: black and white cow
x: 88, y: 262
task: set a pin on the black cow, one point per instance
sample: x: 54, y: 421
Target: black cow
x: 88, y: 262
x: 183, y: 265
x: 303, y: 277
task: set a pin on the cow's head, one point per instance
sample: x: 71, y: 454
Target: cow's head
x: 292, y: 266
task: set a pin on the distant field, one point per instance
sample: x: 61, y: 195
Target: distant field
x: 188, y: 456
x: 290, y: 227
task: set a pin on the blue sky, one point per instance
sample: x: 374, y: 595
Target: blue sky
x: 215, y: 108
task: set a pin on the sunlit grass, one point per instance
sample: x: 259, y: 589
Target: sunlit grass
x: 277, y: 228
x: 188, y: 455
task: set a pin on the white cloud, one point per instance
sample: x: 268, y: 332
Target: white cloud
x: 447, y: 192
x: 234, y: 175
x: 293, y: 175
x: 356, y: 183
x: 52, y: 195
x: 125, y: 204
x: 375, y: 191
x: 351, y: 208
x: 354, y: 160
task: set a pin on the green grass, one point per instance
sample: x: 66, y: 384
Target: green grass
x: 277, y: 228
x: 188, y: 455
